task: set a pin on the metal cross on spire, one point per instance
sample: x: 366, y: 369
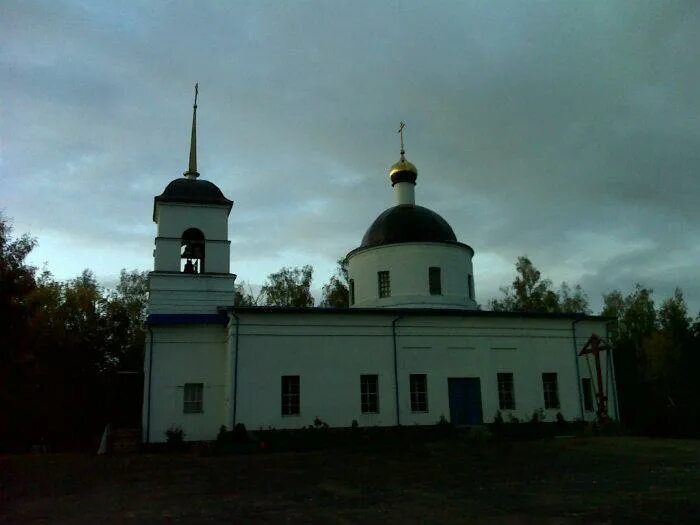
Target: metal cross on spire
x: 402, y: 125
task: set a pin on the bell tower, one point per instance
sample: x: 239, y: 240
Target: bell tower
x: 191, y: 271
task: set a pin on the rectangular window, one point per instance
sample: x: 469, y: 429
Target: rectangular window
x: 551, y: 390
x: 470, y: 284
x: 506, y: 391
x: 419, y: 393
x: 290, y: 395
x: 369, y: 394
x: 587, y: 387
x: 351, y: 286
x: 434, y: 280
x: 192, y: 398
x: 384, y: 284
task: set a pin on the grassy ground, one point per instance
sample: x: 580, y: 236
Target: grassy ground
x: 562, y: 481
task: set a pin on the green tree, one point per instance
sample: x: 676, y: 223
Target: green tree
x: 124, y: 312
x: 243, y: 295
x: 613, y: 305
x: 529, y: 292
x: 573, y: 301
x: 695, y: 329
x: 17, y: 308
x: 673, y: 317
x: 81, y: 311
x: 17, y: 282
x: 60, y: 343
x: 632, y: 339
x: 335, y: 292
x: 289, y: 287
x: 678, y: 354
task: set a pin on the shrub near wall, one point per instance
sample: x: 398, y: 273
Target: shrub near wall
x: 319, y: 436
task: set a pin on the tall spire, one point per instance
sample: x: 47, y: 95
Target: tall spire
x: 191, y: 172
x: 400, y: 132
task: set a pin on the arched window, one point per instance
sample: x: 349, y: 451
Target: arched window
x: 192, y: 251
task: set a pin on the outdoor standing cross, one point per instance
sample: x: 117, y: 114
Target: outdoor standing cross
x: 594, y: 346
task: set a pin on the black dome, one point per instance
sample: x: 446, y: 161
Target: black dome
x: 193, y: 191
x: 408, y: 223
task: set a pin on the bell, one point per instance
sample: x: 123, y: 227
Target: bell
x: 189, y: 267
x: 188, y: 252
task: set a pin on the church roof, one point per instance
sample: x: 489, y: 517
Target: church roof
x: 404, y: 312
x: 193, y: 191
x: 408, y: 223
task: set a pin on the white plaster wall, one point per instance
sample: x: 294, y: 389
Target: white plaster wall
x: 188, y: 293
x: 166, y: 255
x: 174, y: 218
x: 217, y: 256
x: 330, y: 351
x: 186, y: 354
x: 405, y: 193
x: 408, y: 265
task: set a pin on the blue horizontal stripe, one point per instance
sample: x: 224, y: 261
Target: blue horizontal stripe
x: 160, y: 319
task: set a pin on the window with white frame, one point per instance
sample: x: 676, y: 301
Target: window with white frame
x: 192, y: 398
x: 551, y: 390
x: 384, y: 284
x: 419, y: 392
x: 369, y: 394
x: 290, y: 395
x: 506, y: 391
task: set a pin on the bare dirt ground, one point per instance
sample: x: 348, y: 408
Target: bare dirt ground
x: 555, y: 481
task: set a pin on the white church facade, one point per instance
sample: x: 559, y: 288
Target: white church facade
x: 411, y: 348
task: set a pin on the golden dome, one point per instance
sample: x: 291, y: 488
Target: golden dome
x: 402, y: 165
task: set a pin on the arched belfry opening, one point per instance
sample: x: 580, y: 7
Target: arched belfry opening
x: 192, y: 251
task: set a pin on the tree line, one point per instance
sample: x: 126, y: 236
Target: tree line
x: 656, y: 349
x: 71, y: 352
x: 68, y: 350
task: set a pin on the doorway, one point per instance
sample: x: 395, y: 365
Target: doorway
x: 465, y: 401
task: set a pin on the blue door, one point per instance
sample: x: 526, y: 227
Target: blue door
x: 465, y: 400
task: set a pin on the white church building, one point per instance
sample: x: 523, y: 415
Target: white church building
x: 413, y: 347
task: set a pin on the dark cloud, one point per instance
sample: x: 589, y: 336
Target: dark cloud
x: 567, y: 131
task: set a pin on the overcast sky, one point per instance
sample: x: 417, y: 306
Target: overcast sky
x: 568, y: 131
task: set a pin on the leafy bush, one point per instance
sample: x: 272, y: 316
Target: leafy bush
x: 239, y: 434
x: 443, y: 421
x: 498, y: 424
x: 498, y: 418
x: 319, y: 423
x: 443, y: 427
x: 538, y: 416
x: 562, y: 425
x: 175, y: 436
x: 536, y: 427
